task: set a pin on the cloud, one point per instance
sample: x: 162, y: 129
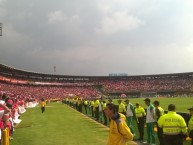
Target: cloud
x: 1, y: 1
x: 97, y: 37
x: 117, y: 22
x: 56, y: 16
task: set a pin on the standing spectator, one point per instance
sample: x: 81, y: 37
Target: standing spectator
x: 119, y: 133
x: 43, y: 105
x: 3, y: 110
x: 140, y: 117
x: 174, y: 127
x: 190, y: 125
x: 159, y: 111
x: 129, y: 115
x: 150, y: 122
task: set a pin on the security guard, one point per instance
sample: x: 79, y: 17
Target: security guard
x: 174, y: 127
x: 190, y: 125
x: 96, y: 108
x: 104, y: 116
x: 85, y: 105
x: 79, y: 103
x: 140, y: 117
x: 92, y: 107
x: 122, y: 108
x: 159, y: 111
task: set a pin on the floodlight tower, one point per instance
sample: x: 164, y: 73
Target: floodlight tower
x: 1, y: 27
x: 54, y: 69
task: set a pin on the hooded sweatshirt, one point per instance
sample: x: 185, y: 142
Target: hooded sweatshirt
x: 119, y: 133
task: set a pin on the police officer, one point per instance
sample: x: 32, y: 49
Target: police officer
x: 190, y: 125
x: 140, y: 117
x: 159, y: 111
x: 174, y: 127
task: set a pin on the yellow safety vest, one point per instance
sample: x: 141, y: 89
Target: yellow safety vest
x: 122, y: 108
x: 172, y: 123
x: 96, y: 103
x: 190, y: 124
x: 161, y: 111
x: 104, y: 105
x: 92, y: 103
x: 85, y: 102
x: 140, y: 112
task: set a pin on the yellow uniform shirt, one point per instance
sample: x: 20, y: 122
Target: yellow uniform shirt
x: 43, y: 104
x: 190, y: 124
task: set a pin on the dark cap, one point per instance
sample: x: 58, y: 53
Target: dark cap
x: 191, y: 109
x: 136, y: 103
x: 147, y: 99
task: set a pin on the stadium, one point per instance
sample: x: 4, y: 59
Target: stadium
x: 29, y: 87
x: 124, y: 72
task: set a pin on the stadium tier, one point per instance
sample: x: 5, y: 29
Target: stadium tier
x: 21, y: 82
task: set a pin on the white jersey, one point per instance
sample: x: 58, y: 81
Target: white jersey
x: 150, y: 114
x: 129, y: 112
x: 100, y: 107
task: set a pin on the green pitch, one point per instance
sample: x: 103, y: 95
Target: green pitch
x: 59, y: 125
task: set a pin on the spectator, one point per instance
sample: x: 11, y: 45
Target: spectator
x: 3, y: 110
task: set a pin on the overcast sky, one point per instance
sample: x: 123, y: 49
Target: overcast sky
x: 97, y: 37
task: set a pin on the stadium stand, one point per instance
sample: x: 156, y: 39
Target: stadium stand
x: 163, y: 84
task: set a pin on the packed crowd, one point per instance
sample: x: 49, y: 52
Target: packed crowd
x: 48, y: 92
x: 145, y: 85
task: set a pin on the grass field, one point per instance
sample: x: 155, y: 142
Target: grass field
x: 62, y: 125
x: 59, y: 125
